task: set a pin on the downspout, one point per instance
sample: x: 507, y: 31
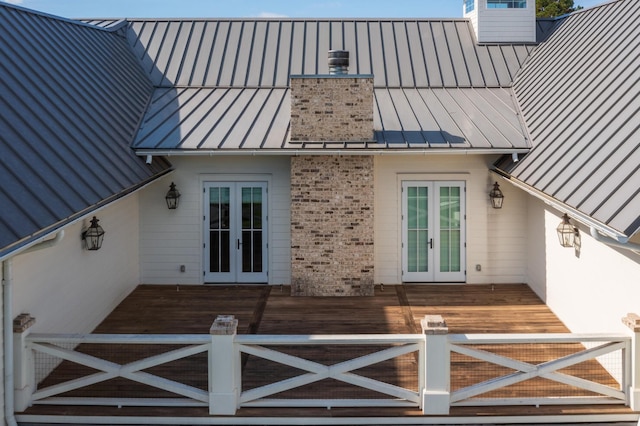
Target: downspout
x: 7, y: 298
x: 613, y: 243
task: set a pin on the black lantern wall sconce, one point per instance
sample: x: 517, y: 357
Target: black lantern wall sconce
x: 568, y: 234
x: 172, y: 197
x: 496, y: 196
x: 93, y: 235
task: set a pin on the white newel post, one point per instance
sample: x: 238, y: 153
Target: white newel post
x: 435, y: 397
x: 23, y: 362
x: 224, y: 367
x: 633, y: 322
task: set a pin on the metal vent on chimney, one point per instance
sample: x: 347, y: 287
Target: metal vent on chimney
x: 338, y: 62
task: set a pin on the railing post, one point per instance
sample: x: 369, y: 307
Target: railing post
x: 633, y: 322
x: 23, y: 363
x: 435, y: 396
x: 224, y: 367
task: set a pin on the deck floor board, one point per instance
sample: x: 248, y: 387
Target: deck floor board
x: 157, y: 309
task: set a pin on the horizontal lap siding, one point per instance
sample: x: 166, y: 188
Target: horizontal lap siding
x: 495, y: 238
x: 170, y: 238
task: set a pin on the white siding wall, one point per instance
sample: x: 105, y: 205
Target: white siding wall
x: 170, y: 238
x: 590, y: 293
x: 71, y: 290
x: 495, y: 238
x: 504, y: 25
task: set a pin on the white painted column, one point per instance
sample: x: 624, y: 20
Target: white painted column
x: 435, y: 397
x: 224, y: 367
x: 23, y: 363
x: 633, y: 322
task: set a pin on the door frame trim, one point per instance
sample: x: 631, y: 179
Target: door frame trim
x: 234, y: 178
x: 463, y: 177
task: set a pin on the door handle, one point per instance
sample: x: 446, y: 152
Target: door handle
x: 431, y: 243
x: 238, y: 243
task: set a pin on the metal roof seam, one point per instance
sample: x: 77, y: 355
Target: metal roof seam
x: 272, y: 121
x: 64, y: 112
x: 238, y: 118
x: 564, y: 110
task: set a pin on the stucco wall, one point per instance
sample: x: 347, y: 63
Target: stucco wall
x: 589, y: 293
x: 170, y: 238
x: 495, y: 238
x: 71, y: 290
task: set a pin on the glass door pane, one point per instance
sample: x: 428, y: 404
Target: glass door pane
x: 417, y: 229
x: 251, y: 229
x: 219, y: 229
x: 449, y: 229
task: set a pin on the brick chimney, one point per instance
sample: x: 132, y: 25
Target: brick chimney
x: 337, y: 107
x: 332, y: 196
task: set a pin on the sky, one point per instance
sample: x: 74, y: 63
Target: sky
x: 253, y: 8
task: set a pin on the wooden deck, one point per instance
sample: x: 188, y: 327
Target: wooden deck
x: 153, y: 309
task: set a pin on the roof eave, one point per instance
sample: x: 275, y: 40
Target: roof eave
x: 565, y: 208
x: 326, y: 151
x: 25, y: 243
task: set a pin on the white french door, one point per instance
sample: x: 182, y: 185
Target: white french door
x: 433, y: 231
x: 235, y: 217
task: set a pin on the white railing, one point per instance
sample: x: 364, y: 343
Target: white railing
x: 381, y: 348
x: 431, y: 364
x: 89, y: 351
x: 590, y: 369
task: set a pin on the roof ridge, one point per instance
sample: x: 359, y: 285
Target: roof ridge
x: 287, y: 19
x: 112, y: 28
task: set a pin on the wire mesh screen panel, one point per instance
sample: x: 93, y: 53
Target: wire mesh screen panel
x: 120, y: 370
x: 311, y: 374
x: 547, y: 372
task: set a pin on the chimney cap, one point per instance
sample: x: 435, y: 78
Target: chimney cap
x: 338, y: 61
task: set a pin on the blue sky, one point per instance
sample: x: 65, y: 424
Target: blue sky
x: 253, y: 8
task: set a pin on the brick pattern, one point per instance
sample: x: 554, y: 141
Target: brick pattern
x: 331, y: 108
x: 332, y: 226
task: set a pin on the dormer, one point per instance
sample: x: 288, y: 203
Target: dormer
x: 502, y: 21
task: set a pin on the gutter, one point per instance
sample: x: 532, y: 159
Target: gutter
x: 27, y: 243
x: 608, y: 233
x: 150, y: 153
x: 7, y: 309
x: 613, y: 243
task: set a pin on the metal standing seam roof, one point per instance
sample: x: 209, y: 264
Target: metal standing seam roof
x: 253, y: 118
x: 579, y: 98
x: 71, y: 97
x: 264, y: 52
x: 224, y: 84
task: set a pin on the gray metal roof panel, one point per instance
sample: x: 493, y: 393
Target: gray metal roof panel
x: 258, y: 118
x: 67, y: 122
x: 264, y: 52
x: 583, y: 119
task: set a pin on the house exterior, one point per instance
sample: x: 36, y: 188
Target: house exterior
x: 328, y: 180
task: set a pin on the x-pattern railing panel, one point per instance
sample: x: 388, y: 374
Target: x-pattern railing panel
x: 108, y: 370
x: 547, y: 370
x: 341, y: 371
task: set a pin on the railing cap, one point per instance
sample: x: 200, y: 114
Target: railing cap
x: 224, y: 325
x: 434, y: 324
x: 632, y: 321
